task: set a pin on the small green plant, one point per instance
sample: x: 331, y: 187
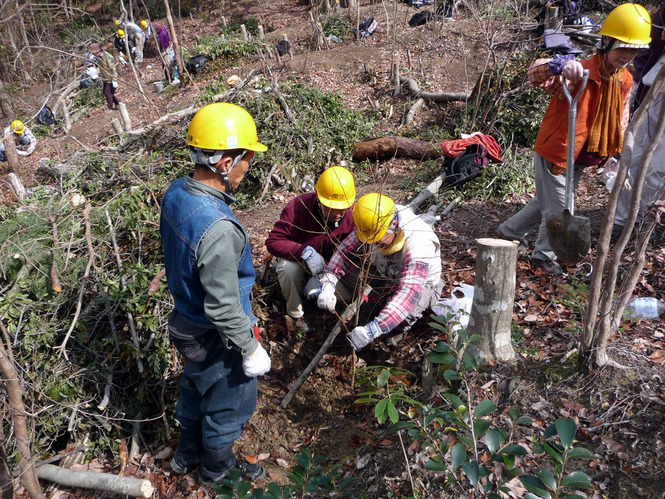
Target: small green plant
x: 308, y: 477
x: 214, y: 47
x: 500, y: 180
x: 336, y: 26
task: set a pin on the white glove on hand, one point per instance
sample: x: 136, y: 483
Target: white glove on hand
x: 313, y: 287
x: 362, y: 336
x: 256, y: 364
x: 114, y: 84
x: 314, y: 260
x: 573, y: 71
x: 327, y: 299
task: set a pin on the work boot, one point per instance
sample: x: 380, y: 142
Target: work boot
x: 252, y: 472
x: 547, y: 266
x: 180, y: 468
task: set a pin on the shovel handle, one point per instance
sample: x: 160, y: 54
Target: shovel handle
x: 570, y: 155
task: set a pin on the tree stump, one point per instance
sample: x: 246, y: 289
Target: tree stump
x: 493, y: 299
x: 11, y: 153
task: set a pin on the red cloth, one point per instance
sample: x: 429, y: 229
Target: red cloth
x: 453, y: 148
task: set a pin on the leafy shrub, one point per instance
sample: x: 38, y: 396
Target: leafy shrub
x: 337, y: 26
x: 214, y: 47
x: 501, y: 180
x: 251, y: 25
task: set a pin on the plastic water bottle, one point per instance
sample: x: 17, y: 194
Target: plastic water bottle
x: 646, y: 308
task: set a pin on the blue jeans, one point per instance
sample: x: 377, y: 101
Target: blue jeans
x: 216, y: 400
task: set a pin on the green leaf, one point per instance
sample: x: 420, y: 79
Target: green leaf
x: 534, y: 484
x: 493, y: 439
x: 577, y: 480
x: 514, y: 450
x: 475, y: 338
x: 442, y: 347
x: 380, y: 410
x: 537, y: 448
x: 392, y: 412
x: 566, y: 429
x: 383, y: 378
x: 453, y: 399
x: 457, y: 455
x: 480, y: 426
x: 441, y: 358
x: 470, y: 361
x: 472, y: 472
x: 483, y: 408
x: 529, y: 495
x: 553, y: 452
x: 548, y: 479
x: 525, y: 420
x: 399, y: 426
x: 432, y: 465
x: 450, y: 375
x: 580, y: 453
x: 509, y: 461
x: 550, y: 431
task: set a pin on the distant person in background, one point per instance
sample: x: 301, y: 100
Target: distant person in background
x: 646, y: 59
x: 90, y: 74
x: 163, y: 37
x: 147, y: 31
x: 135, y: 40
x: 23, y: 138
x: 108, y: 71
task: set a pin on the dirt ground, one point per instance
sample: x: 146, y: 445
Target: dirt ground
x: 619, y: 412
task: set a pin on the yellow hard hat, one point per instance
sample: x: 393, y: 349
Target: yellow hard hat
x: 18, y: 126
x: 336, y: 188
x: 630, y: 25
x: 144, y: 24
x: 121, y: 33
x: 222, y: 127
x: 372, y: 215
x: 117, y: 22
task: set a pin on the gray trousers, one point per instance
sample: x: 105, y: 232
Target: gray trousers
x: 547, y: 203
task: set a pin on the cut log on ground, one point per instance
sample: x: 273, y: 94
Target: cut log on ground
x: 11, y: 153
x: 135, y: 487
x: 346, y: 315
x: 395, y: 147
x: 493, y: 298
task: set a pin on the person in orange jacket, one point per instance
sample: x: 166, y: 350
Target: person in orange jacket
x: 602, y: 116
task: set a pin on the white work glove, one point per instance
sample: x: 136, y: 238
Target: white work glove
x: 314, y: 260
x: 327, y: 299
x: 256, y: 364
x: 362, y: 336
x: 313, y: 287
x: 573, y: 71
x: 114, y: 84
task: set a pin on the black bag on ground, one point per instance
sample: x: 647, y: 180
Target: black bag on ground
x: 45, y: 116
x: 570, y: 14
x: 196, y: 64
x: 422, y: 17
x: 466, y: 166
x: 367, y: 27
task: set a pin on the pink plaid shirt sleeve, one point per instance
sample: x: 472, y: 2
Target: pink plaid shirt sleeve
x: 539, y: 75
x: 411, y: 284
x: 340, y: 263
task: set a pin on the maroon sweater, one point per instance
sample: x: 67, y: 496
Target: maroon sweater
x: 301, y: 224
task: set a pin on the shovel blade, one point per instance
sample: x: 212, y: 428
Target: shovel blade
x: 569, y: 236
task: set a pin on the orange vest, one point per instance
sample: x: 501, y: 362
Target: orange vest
x: 552, y: 139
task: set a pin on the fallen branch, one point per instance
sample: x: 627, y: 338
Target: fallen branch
x: 268, y: 181
x: 413, y: 110
x: 54, y: 268
x: 154, y: 284
x: 414, y: 89
x: 106, y: 482
x: 348, y: 313
x: 84, y: 280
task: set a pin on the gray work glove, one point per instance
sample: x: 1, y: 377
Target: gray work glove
x: 362, y: 336
x: 114, y: 84
x: 313, y: 287
x: 257, y: 363
x: 314, y: 260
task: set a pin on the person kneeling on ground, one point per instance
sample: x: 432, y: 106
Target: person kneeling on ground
x: 208, y: 262
x: 24, y: 139
x: 405, y: 257
x: 304, y: 238
x: 602, y: 117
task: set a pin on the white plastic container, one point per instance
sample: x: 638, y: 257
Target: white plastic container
x: 644, y: 307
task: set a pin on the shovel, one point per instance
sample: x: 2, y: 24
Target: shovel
x: 568, y: 235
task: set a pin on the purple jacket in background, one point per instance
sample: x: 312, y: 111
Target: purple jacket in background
x: 645, y: 59
x: 301, y: 225
x: 163, y: 35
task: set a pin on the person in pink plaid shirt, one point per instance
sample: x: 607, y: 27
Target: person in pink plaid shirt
x: 404, y: 266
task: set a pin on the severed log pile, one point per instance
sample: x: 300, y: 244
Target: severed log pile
x: 394, y: 147
x: 107, y: 482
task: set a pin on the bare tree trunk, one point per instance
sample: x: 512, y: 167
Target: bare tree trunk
x: 493, y: 298
x: 10, y: 152
x: 6, y: 478
x: 394, y: 147
x: 598, y: 324
x: 5, y: 102
x: 174, y: 41
x: 123, y: 485
x: 25, y: 458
